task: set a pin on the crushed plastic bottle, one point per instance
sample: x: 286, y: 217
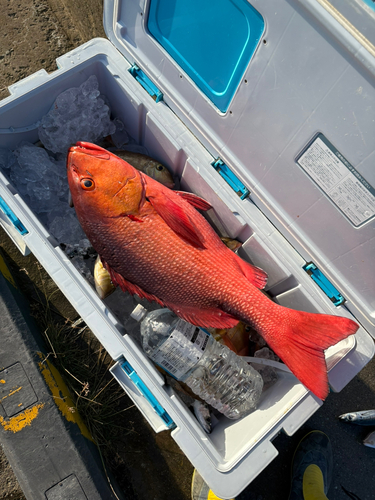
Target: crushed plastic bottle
x: 213, y: 372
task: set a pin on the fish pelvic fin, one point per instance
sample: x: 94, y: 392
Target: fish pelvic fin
x: 127, y: 286
x: 300, y: 339
x: 255, y: 275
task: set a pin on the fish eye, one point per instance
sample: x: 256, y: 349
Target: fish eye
x: 87, y: 184
x: 159, y: 167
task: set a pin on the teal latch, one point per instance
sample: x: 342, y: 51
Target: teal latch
x: 12, y: 217
x: 146, y: 83
x: 332, y: 293
x: 131, y: 373
x: 230, y: 178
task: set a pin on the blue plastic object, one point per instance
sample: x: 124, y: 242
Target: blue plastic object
x: 146, y: 83
x: 370, y: 3
x: 333, y: 294
x: 212, y: 42
x: 12, y: 217
x: 230, y: 178
x: 132, y: 374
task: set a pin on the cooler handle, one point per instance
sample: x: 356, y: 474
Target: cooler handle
x: 12, y: 217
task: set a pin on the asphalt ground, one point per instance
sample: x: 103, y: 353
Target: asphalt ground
x: 33, y: 34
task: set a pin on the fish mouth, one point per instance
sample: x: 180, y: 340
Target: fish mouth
x: 90, y: 149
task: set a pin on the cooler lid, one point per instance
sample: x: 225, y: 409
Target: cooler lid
x: 282, y: 96
x: 212, y: 45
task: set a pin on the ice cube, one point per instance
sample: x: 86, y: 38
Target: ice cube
x: 120, y: 137
x: 6, y: 158
x: 16, y: 177
x: 83, y: 268
x: 90, y: 87
x: 38, y: 191
x: 268, y: 373
x: 78, y: 114
x: 34, y: 161
x: 266, y: 353
x: 61, y: 208
x: 67, y: 229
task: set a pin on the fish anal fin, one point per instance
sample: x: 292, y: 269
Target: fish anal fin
x: 206, y: 318
x: 127, y: 286
x: 255, y: 275
x: 300, y: 339
x: 194, y: 200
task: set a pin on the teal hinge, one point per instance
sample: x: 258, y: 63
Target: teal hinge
x: 146, y: 83
x: 230, y: 178
x: 12, y: 217
x: 145, y: 391
x: 332, y: 293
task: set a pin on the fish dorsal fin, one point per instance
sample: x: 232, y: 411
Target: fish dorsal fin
x: 194, y: 200
x: 173, y: 213
x: 255, y: 275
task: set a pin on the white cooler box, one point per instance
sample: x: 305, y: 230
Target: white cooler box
x: 267, y: 112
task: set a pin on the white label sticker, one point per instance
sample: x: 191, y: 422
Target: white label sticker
x: 339, y: 180
x: 182, y: 350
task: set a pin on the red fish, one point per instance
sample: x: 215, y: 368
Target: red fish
x: 155, y: 244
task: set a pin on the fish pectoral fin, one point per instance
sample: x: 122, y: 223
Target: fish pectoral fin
x: 134, y: 218
x: 255, y: 275
x: 176, y: 218
x: 214, y: 318
x: 194, y: 200
x: 127, y: 286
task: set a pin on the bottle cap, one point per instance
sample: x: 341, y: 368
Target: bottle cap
x: 138, y: 313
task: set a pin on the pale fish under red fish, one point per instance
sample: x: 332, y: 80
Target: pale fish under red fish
x: 156, y: 244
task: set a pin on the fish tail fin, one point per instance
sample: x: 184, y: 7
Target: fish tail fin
x: 300, y: 339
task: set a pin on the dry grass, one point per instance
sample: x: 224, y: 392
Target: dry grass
x: 84, y: 365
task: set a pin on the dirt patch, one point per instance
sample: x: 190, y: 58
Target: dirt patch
x: 9, y: 487
x: 34, y: 33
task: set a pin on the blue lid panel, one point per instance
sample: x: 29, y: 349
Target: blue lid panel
x: 212, y: 42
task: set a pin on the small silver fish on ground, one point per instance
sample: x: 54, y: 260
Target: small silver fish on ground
x: 198, y: 407
x: 370, y: 440
x: 203, y: 415
x: 102, y: 278
x: 366, y: 417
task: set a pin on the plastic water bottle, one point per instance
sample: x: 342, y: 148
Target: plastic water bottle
x: 213, y: 372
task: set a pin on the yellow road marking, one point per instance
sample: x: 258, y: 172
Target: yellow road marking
x: 6, y: 273
x: 61, y: 395
x: 211, y: 496
x: 11, y: 393
x: 17, y: 423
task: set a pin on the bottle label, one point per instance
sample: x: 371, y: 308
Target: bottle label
x: 182, y: 350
